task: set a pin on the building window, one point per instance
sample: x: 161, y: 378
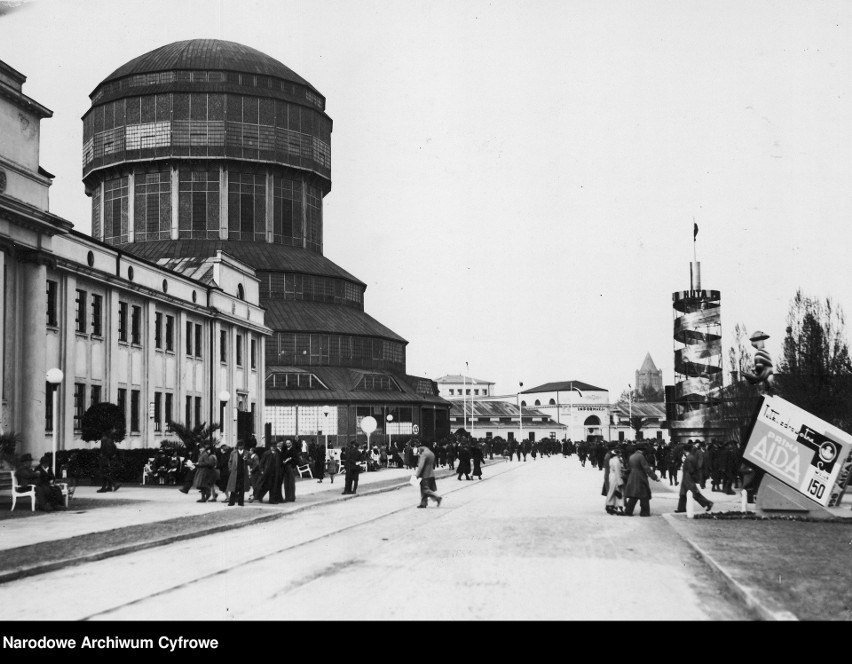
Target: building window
x: 239, y: 350
x: 97, y: 315
x: 95, y: 395
x: 79, y: 405
x: 121, y: 401
x: 115, y: 211
x: 197, y: 410
x: 223, y: 346
x: 198, y: 330
x: 52, y: 293
x: 136, y: 325
x: 134, y: 411
x: 122, y: 321
x: 158, y: 406
x: 188, y: 341
x: 452, y: 391
x: 247, y: 207
x: 187, y: 422
x: 153, y: 205
x: 168, y: 409
x: 170, y: 333
x: 158, y: 330
x: 253, y: 354
x: 80, y: 311
x: 198, y: 205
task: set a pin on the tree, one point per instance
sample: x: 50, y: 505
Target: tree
x: 739, y: 399
x: 103, y: 419
x: 814, y: 371
x: 193, y: 438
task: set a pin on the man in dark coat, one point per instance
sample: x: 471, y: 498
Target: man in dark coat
x: 637, y: 487
x: 464, y: 462
x: 289, y: 462
x: 689, y: 482
x: 106, y: 462
x: 352, y: 465
x: 426, y: 473
x: 271, y: 476
x: 238, y: 475
x: 730, y: 467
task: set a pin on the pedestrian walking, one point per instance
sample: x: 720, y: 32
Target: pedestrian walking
x: 615, y: 488
x: 477, y: 457
x: 352, y: 465
x: 426, y: 473
x: 637, y: 487
x: 689, y: 481
x: 270, y: 476
x: 205, y: 472
x: 464, y: 462
x: 106, y: 464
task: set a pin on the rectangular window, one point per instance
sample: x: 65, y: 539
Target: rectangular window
x: 239, y: 350
x: 122, y: 321
x: 80, y: 311
x: 223, y: 346
x: 134, y: 411
x: 79, y: 404
x: 52, y: 294
x: 158, y: 411
x: 48, y: 408
x: 136, y: 325
x: 158, y: 330
x: 170, y: 333
x: 168, y: 413
x: 187, y: 421
x: 95, y: 395
x: 198, y: 341
x: 197, y: 411
x: 253, y: 353
x: 97, y: 315
x: 188, y: 341
x: 121, y: 401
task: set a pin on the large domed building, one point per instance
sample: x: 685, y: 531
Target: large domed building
x: 205, y: 145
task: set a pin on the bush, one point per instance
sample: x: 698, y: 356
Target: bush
x: 83, y: 464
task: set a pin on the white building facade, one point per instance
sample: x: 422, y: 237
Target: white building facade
x: 165, y: 342
x: 584, y: 409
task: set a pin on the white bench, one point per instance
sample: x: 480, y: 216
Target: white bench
x: 9, y: 487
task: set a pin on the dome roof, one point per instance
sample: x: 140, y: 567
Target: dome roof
x: 206, y: 54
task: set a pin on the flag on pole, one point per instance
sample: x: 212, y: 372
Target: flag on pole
x: 694, y: 231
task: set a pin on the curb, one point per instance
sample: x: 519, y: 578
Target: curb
x: 746, y: 595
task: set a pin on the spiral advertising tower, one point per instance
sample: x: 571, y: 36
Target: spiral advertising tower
x: 697, y: 362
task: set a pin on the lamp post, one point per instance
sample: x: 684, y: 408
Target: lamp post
x: 630, y: 407
x: 54, y: 377
x: 472, y: 393
x: 224, y: 398
x: 464, y: 397
x: 325, y: 411
x: 520, y: 412
x: 389, y: 418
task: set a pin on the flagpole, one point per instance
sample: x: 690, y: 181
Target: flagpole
x: 694, y: 236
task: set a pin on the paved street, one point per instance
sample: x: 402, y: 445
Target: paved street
x: 530, y: 541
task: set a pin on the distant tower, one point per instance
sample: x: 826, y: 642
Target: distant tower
x: 648, y: 377
x: 697, y: 362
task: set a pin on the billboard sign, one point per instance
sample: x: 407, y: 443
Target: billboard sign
x: 801, y: 450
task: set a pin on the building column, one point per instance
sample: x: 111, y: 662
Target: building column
x: 131, y: 207
x: 175, y: 187
x: 33, y: 353
x: 3, y: 322
x: 223, y: 203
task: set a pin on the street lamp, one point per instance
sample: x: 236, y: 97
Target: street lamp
x: 325, y: 411
x: 520, y: 412
x: 389, y: 418
x: 54, y: 377
x: 224, y: 398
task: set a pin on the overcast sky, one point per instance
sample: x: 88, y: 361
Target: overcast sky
x: 516, y: 182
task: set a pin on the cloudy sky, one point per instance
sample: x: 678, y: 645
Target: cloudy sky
x: 516, y: 181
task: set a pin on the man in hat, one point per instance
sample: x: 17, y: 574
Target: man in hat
x: 638, y: 487
x: 426, y: 473
x: 238, y: 475
x: 352, y: 465
x: 690, y: 481
x: 29, y: 473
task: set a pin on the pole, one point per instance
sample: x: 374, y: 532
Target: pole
x: 520, y: 412
x: 55, y: 443
x: 464, y: 398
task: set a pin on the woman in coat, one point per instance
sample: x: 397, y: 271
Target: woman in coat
x: 464, y: 462
x: 637, y: 487
x: 205, y: 472
x: 615, y: 488
x: 477, y: 458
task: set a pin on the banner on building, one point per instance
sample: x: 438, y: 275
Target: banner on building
x: 801, y: 450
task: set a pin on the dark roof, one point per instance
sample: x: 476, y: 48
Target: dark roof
x: 642, y: 409
x: 206, y: 54
x: 295, y: 316
x: 341, y: 383
x: 494, y: 409
x: 262, y: 256
x: 564, y: 386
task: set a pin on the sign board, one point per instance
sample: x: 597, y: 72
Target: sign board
x: 369, y: 424
x: 415, y: 429
x: 801, y: 450
x: 150, y: 410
